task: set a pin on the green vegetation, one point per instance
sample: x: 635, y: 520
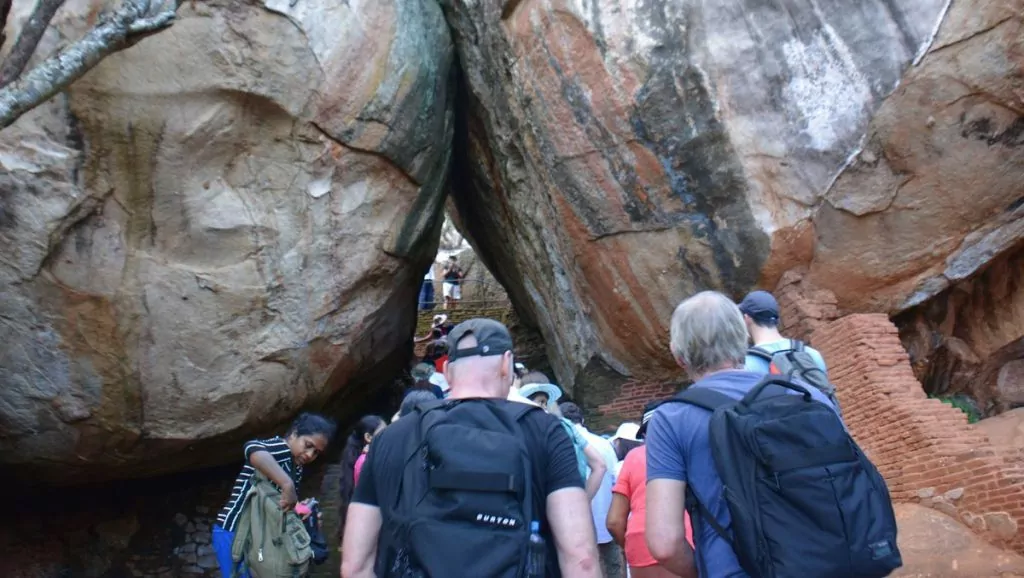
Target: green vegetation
x: 963, y: 403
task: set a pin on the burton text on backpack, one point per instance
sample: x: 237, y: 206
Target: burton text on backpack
x: 466, y: 498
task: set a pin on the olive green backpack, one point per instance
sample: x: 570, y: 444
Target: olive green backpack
x: 269, y: 542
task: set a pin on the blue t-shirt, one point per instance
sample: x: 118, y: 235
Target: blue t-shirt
x: 759, y: 365
x: 678, y: 449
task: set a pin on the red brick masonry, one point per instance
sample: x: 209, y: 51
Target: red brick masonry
x: 926, y: 450
x: 628, y: 405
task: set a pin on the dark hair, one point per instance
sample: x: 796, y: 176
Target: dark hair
x: 422, y: 385
x: 535, y: 377
x: 571, y: 412
x: 414, y: 398
x: 353, y: 448
x: 767, y: 320
x: 624, y: 446
x: 435, y: 350
x: 309, y: 424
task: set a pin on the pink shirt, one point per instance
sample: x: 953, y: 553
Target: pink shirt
x: 358, y: 468
x: 632, y: 483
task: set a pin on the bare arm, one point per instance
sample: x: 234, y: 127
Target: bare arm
x: 666, y: 528
x: 618, y: 513
x: 362, y: 528
x: 268, y: 466
x: 597, y: 470
x: 572, y: 526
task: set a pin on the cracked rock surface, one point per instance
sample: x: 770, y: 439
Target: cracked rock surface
x: 620, y: 156
x: 215, y: 228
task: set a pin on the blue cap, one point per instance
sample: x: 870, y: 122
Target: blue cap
x: 535, y: 527
x: 761, y: 305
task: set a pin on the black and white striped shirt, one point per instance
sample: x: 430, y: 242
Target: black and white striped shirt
x: 277, y: 447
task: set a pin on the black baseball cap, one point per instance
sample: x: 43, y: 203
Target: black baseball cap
x: 760, y: 305
x: 492, y: 338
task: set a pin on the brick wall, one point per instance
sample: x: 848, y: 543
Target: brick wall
x: 925, y: 449
x: 803, y: 308
x: 628, y: 404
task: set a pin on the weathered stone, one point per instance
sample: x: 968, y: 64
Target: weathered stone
x: 1001, y: 524
x: 215, y: 228
x: 202, y: 539
x: 946, y: 508
x: 1010, y: 382
x: 180, y: 519
x: 188, y: 548
x: 1006, y: 430
x: 933, y: 544
x: 190, y: 527
x: 621, y: 156
x: 925, y: 493
x: 203, y: 550
x: 208, y: 561
x: 954, y: 494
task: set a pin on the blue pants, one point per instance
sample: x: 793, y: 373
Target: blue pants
x: 427, y: 295
x: 222, y: 540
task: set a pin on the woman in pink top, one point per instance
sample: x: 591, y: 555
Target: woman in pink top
x: 352, y: 459
x: 627, y: 515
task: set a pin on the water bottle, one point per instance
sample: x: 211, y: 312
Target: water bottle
x: 536, y: 553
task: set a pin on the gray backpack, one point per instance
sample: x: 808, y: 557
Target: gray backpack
x: 796, y: 364
x: 269, y: 542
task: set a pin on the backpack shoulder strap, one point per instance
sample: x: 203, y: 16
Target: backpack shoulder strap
x: 760, y: 353
x: 704, y: 397
x: 796, y: 345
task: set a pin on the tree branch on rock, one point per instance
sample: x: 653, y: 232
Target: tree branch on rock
x: 28, y: 40
x: 124, y: 27
x: 5, y: 9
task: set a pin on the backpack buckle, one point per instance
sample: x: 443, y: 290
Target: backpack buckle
x: 259, y: 555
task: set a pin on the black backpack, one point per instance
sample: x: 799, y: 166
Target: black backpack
x: 317, y: 541
x: 465, y: 501
x: 804, y: 500
x: 796, y: 364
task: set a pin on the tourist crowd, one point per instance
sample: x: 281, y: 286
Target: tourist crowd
x: 486, y: 470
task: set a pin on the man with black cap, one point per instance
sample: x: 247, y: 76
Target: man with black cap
x: 761, y: 314
x: 462, y: 484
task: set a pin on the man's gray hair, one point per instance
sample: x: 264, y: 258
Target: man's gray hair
x: 708, y: 333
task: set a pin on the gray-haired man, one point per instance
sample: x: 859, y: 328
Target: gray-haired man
x: 709, y: 340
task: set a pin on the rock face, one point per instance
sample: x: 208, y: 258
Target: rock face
x: 1006, y: 429
x: 934, y: 545
x: 216, y: 228
x: 619, y: 156
x: 479, y: 287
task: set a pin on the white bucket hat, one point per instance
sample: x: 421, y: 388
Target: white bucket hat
x: 550, y: 389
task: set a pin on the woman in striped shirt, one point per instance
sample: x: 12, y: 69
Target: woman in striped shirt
x: 280, y: 459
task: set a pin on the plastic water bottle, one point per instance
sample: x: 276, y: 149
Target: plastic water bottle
x: 536, y: 553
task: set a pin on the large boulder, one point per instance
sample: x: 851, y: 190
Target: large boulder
x: 620, y: 156
x: 215, y: 228
x: 935, y: 545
